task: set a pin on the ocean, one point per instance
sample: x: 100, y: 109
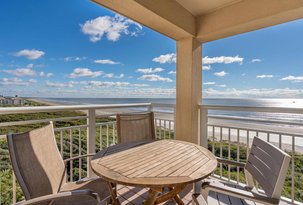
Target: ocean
x: 287, y: 103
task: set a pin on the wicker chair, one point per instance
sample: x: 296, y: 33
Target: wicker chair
x: 135, y: 127
x: 266, y: 164
x: 40, y: 171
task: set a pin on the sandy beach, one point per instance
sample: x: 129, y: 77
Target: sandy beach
x: 110, y: 112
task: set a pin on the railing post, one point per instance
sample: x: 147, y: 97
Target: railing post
x: 203, y: 127
x: 150, y: 108
x: 91, y: 138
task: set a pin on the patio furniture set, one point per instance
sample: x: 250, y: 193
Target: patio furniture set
x: 165, y: 167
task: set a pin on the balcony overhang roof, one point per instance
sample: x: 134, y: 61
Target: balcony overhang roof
x: 206, y: 20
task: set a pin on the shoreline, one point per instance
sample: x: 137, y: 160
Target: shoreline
x: 47, y: 103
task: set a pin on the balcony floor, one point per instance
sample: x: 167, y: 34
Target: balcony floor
x: 135, y: 196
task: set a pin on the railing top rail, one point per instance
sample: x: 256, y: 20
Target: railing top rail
x: 17, y: 110
x: 163, y: 105
x: 254, y: 108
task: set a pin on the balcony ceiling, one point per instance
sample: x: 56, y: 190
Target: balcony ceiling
x: 206, y: 20
x: 201, y: 7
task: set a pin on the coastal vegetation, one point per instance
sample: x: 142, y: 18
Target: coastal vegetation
x: 73, y: 142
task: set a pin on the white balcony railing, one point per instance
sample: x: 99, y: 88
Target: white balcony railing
x: 228, y: 136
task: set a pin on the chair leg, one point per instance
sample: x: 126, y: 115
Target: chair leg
x: 204, y: 193
x: 113, y: 190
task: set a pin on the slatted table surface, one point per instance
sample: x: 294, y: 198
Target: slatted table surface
x: 154, y: 163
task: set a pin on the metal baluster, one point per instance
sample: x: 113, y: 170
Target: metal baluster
x: 213, y: 148
x: 114, y: 139
x: 257, y: 184
x: 293, y: 170
x: 238, y: 153
x: 160, y: 134
x: 220, y: 151
x: 228, y: 153
x: 247, y: 147
x: 71, y: 154
x: 14, y: 189
x: 169, y: 133
x: 268, y: 137
x: 61, y: 143
x: 164, y: 129
x: 0, y: 189
x: 280, y: 141
x: 107, y: 137
x: 100, y: 138
x: 80, y: 152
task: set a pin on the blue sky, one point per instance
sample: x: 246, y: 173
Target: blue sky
x: 75, y: 48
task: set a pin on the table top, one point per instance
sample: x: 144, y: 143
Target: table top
x: 154, y: 163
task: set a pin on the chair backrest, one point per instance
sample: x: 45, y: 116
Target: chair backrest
x: 134, y: 127
x: 268, y: 165
x: 36, y: 161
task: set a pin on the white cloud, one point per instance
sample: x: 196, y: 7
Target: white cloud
x: 110, y: 27
x: 106, y: 61
x: 42, y: 74
x: 28, y: 71
x: 107, y: 84
x: 209, y: 83
x: 120, y: 76
x: 30, y: 54
x: 262, y: 92
x: 295, y: 79
x: 220, y: 74
x: 206, y: 67
x: 151, y: 92
x: 222, y: 86
x: 74, y: 58
x: 84, y: 72
x: 111, y: 75
x: 255, y: 60
x: 172, y: 72
x: 16, y: 82
x: 140, y: 85
x: 222, y: 59
x: 149, y: 70
x: 264, y: 76
x: 154, y: 77
x: 59, y: 84
x: 172, y: 58
x: 167, y: 58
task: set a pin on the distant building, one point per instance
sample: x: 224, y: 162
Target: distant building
x: 11, y: 100
x: 2, y: 100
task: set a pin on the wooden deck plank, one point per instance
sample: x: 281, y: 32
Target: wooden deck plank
x: 135, y: 196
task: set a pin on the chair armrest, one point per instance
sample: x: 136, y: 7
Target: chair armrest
x: 60, y: 195
x: 198, y: 199
x: 239, y: 193
x: 231, y: 162
x: 78, y: 157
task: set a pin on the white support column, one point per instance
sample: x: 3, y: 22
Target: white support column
x: 189, y: 89
x: 91, y: 138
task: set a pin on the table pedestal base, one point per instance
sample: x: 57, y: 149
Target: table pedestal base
x: 155, y: 194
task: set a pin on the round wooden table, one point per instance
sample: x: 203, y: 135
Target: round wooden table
x: 155, y: 165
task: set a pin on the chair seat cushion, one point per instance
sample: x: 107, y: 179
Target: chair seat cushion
x: 237, y: 190
x: 96, y: 184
